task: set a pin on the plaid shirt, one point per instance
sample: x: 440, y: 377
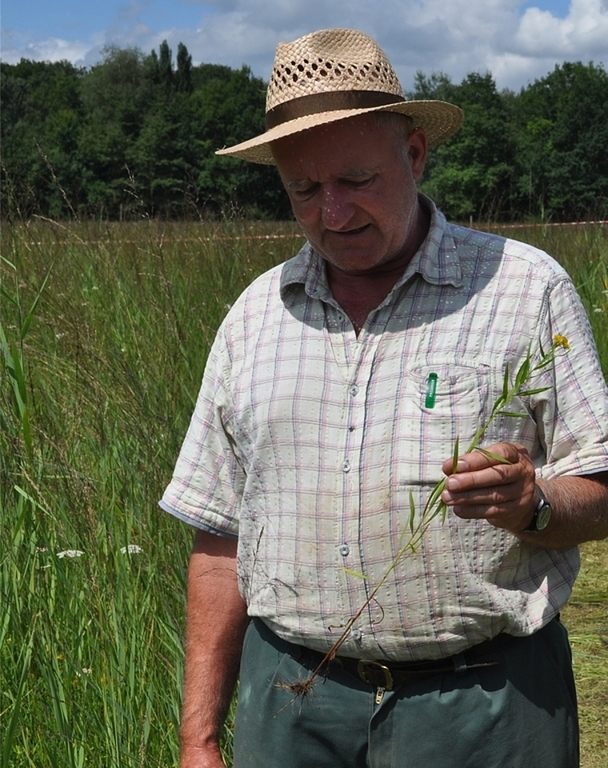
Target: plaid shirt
x: 308, y: 442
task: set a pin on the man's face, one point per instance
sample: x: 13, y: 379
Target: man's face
x: 352, y: 189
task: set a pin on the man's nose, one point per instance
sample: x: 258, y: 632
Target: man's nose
x: 337, y: 208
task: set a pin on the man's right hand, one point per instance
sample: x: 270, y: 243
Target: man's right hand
x: 215, y: 628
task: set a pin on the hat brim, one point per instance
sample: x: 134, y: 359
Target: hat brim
x: 438, y: 119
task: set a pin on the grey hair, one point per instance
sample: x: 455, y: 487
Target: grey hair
x: 402, y: 125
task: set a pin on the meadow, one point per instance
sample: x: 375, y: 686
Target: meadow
x: 104, y: 332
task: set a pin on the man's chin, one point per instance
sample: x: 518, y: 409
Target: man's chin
x: 358, y: 264
x: 348, y: 259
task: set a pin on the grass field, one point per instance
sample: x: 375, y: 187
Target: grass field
x: 105, y: 331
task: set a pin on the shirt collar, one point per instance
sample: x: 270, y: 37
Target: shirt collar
x: 436, y: 261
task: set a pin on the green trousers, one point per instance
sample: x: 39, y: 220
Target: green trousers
x: 519, y: 713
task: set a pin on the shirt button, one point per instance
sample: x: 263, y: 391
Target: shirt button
x: 346, y: 465
x: 356, y: 634
x: 354, y: 389
x: 344, y: 550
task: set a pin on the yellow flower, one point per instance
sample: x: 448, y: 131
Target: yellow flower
x: 561, y: 341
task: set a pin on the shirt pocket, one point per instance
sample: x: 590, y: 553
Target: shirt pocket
x: 437, y: 405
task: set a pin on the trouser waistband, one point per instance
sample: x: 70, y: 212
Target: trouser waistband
x: 381, y: 673
x: 388, y: 674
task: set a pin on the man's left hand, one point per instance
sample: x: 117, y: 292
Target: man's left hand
x: 484, y: 487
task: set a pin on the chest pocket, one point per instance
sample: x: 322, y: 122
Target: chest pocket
x: 436, y: 405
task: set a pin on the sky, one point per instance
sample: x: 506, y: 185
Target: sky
x: 517, y: 42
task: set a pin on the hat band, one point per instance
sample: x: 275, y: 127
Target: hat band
x: 316, y: 103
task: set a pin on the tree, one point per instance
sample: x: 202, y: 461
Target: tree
x: 562, y: 136
x: 183, y: 76
x: 117, y: 94
x: 229, y: 108
x: 137, y: 135
x: 42, y: 112
x: 165, y: 66
x: 470, y: 174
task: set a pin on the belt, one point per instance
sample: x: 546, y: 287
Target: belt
x: 389, y: 674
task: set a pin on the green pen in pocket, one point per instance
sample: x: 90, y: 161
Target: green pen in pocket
x: 431, y: 391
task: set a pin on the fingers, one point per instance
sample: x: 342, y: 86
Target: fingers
x: 497, y: 485
x: 505, y: 453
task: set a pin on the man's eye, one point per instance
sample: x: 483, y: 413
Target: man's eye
x: 304, y: 192
x: 360, y: 183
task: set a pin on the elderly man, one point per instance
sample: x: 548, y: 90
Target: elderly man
x: 335, y: 392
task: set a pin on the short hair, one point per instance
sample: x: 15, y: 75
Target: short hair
x: 402, y: 125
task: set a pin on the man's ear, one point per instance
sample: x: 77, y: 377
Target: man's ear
x: 417, y: 150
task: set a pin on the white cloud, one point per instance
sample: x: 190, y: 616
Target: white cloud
x: 458, y: 37
x: 53, y: 49
x: 583, y: 32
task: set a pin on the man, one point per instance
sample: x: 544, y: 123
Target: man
x: 333, y: 397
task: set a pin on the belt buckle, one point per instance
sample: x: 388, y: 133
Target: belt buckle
x: 376, y: 666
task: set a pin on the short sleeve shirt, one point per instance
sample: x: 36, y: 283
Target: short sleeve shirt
x: 317, y: 447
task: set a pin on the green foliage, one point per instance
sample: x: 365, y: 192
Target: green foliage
x: 539, y: 153
x: 183, y: 76
x: 470, y: 175
x: 111, y: 325
x: 562, y: 134
x: 132, y: 137
x: 104, y: 335
x: 41, y: 110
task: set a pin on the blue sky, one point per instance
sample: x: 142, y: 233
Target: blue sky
x: 516, y: 41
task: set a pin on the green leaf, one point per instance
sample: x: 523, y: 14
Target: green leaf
x: 522, y: 373
x: 356, y: 574
x: 494, y: 456
x: 455, y: 455
x: 505, y: 382
x: 527, y: 392
x: 412, y: 511
x: 8, y: 297
x: 30, y: 315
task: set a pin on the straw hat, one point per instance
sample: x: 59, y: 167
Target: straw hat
x: 330, y: 75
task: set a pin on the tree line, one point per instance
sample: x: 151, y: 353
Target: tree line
x: 134, y: 136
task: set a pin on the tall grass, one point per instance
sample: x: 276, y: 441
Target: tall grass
x: 105, y: 331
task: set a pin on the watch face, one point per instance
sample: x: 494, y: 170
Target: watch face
x: 542, y: 518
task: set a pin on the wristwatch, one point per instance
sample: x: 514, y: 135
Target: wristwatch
x: 542, y: 513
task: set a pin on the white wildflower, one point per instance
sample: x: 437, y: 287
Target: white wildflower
x: 131, y: 549
x: 70, y: 553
